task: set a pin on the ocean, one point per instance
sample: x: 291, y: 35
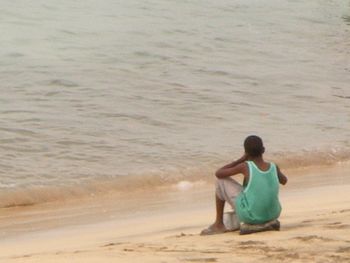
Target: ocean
x: 155, y: 92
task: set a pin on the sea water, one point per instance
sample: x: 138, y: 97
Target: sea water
x: 93, y: 91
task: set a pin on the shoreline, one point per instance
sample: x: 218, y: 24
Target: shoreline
x: 147, y: 180
x: 164, y: 226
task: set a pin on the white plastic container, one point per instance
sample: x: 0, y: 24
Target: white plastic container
x: 231, y: 221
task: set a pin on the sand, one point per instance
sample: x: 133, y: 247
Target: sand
x: 163, y: 226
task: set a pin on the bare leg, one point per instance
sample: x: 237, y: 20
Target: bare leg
x: 218, y: 226
x: 219, y: 221
x: 226, y: 189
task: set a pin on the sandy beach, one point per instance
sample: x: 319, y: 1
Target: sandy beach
x: 163, y: 225
x: 115, y: 116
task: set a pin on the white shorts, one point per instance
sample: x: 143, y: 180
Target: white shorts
x: 227, y: 189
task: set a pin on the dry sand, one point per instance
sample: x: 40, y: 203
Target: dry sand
x: 163, y: 226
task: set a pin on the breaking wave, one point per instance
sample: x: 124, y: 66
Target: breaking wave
x: 178, y: 179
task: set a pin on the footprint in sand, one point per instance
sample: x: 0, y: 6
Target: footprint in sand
x: 312, y: 238
x: 337, y: 225
x: 112, y: 244
x: 79, y: 251
x: 260, y: 247
x: 340, y: 211
x: 128, y: 249
x: 307, y: 221
x: 251, y: 242
x: 283, y: 257
x: 23, y: 256
x: 252, y: 245
x: 183, y: 235
x: 343, y: 250
x: 201, y: 260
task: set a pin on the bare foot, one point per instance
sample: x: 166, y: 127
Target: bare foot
x: 214, y: 229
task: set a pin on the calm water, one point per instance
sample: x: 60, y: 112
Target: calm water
x: 99, y: 89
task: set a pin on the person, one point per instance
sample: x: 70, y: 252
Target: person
x: 256, y: 202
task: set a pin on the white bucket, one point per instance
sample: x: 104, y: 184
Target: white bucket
x: 231, y: 221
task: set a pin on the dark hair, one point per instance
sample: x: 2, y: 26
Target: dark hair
x: 253, y: 146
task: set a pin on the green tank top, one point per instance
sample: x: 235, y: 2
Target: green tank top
x: 258, y: 203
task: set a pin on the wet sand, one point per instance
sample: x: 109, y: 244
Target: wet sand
x: 163, y: 226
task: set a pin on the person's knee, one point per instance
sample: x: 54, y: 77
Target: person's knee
x: 220, y: 181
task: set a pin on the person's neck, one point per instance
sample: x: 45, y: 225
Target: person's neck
x: 259, y: 159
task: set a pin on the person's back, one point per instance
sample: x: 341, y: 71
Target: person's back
x: 258, y: 202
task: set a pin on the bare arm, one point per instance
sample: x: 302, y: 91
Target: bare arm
x: 281, y: 177
x: 233, y: 168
